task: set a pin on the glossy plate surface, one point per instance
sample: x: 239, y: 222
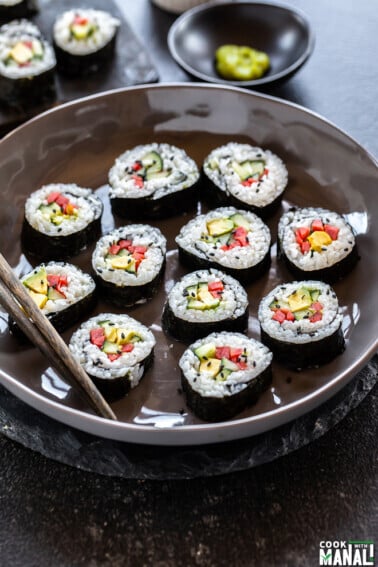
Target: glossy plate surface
x: 78, y: 143
x: 281, y: 31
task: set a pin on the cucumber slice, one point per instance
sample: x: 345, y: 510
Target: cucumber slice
x: 315, y: 294
x: 153, y: 161
x: 229, y: 365
x: 249, y: 168
x: 205, y: 351
x: 110, y: 348
x: 191, y: 291
x: 240, y: 220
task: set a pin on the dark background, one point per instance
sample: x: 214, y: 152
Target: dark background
x: 272, y: 515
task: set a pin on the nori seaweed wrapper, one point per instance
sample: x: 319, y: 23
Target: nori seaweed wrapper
x: 243, y: 275
x: 188, y: 331
x: 147, y: 208
x: 128, y: 296
x: 116, y: 388
x: 82, y: 65
x: 63, y: 319
x: 216, y: 197
x: 219, y: 409
x: 43, y: 247
x: 24, y: 92
x: 329, y: 275
x: 305, y: 355
x: 23, y: 9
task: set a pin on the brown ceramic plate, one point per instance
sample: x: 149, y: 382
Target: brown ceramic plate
x: 78, y: 143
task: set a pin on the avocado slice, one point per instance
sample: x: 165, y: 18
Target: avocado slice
x: 82, y: 31
x: 217, y: 227
x: 240, y: 220
x: 211, y: 366
x: 300, y: 299
x: 191, y: 291
x: 39, y: 298
x: 208, y: 301
x: 223, y: 374
x: 110, y: 348
x: 126, y: 262
x: 205, y: 351
x: 37, y: 282
x: 125, y: 336
x: 21, y: 53
x: 249, y: 168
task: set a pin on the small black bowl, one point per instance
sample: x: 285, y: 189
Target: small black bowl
x: 282, y: 32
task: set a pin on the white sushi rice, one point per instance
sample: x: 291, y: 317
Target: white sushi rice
x: 233, y: 302
x: 218, y: 167
x: 140, y: 235
x: 189, y: 239
x: 79, y: 285
x: 10, y: 2
x: 105, y: 27
x: 259, y: 358
x: 184, y: 173
x: 89, y: 208
x: 330, y: 255
x: 96, y: 362
x: 19, y: 31
x: 301, y: 331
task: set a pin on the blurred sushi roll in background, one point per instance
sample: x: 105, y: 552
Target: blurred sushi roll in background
x: 245, y: 176
x: 301, y: 323
x: 235, y: 241
x: 129, y: 264
x: 115, y: 351
x: 84, y: 40
x: 223, y: 374
x: 204, y: 302
x: 316, y: 243
x: 61, y: 219
x: 27, y: 64
x: 15, y: 9
x: 62, y: 291
x: 153, y: 181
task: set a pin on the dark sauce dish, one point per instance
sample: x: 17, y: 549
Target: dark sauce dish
x: 280, y: 31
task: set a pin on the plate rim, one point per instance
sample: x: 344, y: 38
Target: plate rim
x: 182, y: 435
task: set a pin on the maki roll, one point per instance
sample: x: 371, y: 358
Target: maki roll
x: 245, y: 176
x: 129, y: 264
x: 84, y: 40
x: 14, y: 9
x: 153, y: 181
x: 115, y: 351
x: 60, y: 221
x: 316, y: 243
x: 27, y: 64
x: 301, y: 323
x: 223, y: 374
x: 204, y: 302
x: 237, y: 242
x: 62, y: 291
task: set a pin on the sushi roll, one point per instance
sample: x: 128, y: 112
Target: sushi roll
x: 15, y: 9
x: 316, y: 243
x: 129, y: 264
x: 223, y: 374
x: 237, y: 242
x: 60, y: 221
x: 62, y: 291
x: 245, y: 176
x: 27, y: 64
x: 84, y: 40
x: 204, y: 302
x: 301, y: 323
x: 153, y: 181
x: 115, y: 351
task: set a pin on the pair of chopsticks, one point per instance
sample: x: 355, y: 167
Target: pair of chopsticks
x: 36, y: 326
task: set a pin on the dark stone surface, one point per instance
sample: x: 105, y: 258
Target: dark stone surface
x: 271, y: 515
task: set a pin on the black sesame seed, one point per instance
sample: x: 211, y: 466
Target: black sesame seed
x: 59, y: 229
x: 254, y: 364
x: 346, y: 249
x: 208, y: 364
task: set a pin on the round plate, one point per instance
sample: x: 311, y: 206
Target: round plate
x: 282, y: 32
x: 78, y: 142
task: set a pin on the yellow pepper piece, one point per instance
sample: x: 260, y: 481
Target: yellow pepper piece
x: 39, y: 298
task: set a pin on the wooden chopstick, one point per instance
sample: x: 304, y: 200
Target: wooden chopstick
x: 40, y: 331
